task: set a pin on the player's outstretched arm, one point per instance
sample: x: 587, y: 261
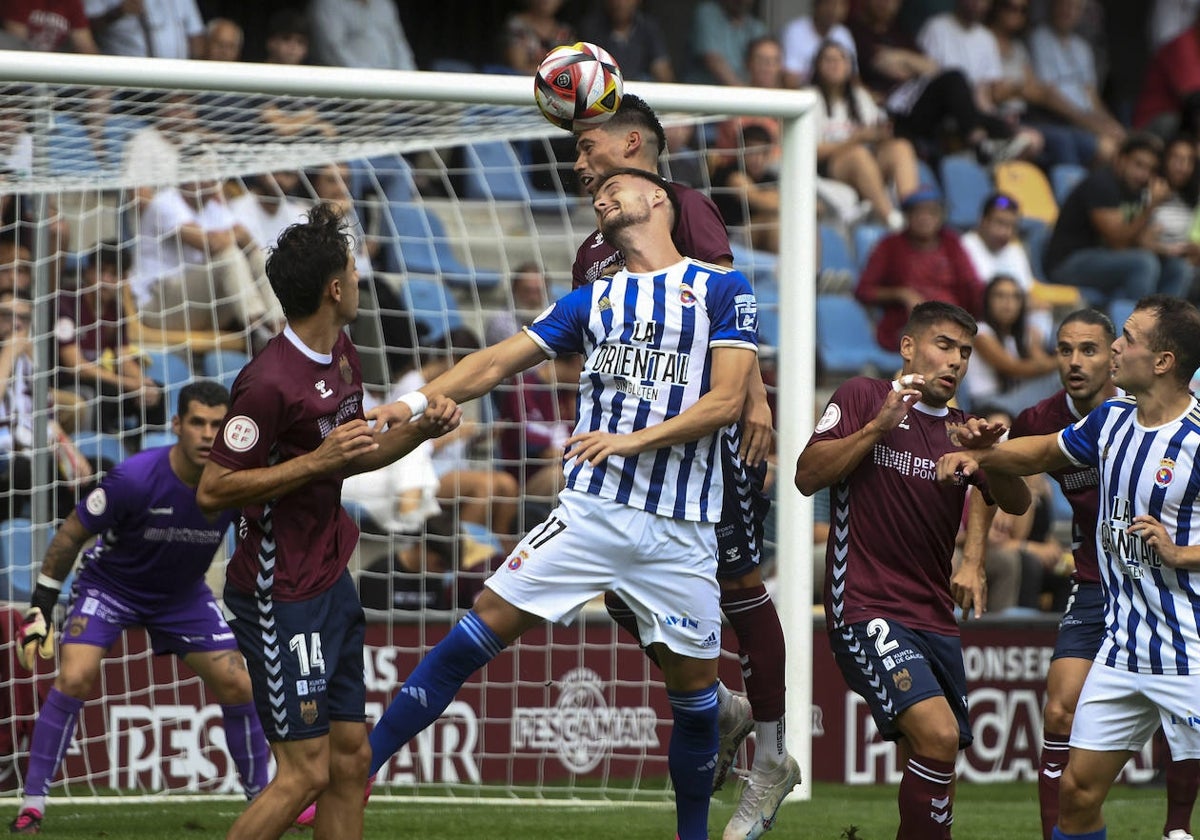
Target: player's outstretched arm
x: 1010, y: 492
x: 222, y: 488
x: 827, y: 462
x: 719, y: 407
x: 442, y: 415
x: 1023, y: 456
x: 37, y: 628
x: 473, y: 377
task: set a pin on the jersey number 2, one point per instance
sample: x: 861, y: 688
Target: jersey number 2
x: 878, y: 628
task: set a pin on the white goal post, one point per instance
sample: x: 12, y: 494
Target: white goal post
x: 502, y: 108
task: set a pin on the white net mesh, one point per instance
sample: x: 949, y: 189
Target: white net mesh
x: 133, y: 223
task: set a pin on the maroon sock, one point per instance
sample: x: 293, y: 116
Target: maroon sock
x: 1055, y: 752
x: 751, y: 613
x: 1183, y: 780
x: 619, y: 611
x: 926, y: 799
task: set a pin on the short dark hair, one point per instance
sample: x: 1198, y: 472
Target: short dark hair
x: 633, y: 112
x: 1142, y: 141
x: 307, y: 255
x: 289, y: 22
x: 204, y: 391
x: 925, y: 315
x: 110, y: 253
x: 1176, y: 331
x: 653, y: 177
x: 1092, y: 317
x: 758, y: 42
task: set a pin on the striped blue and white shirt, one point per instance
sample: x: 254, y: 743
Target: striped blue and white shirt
x: 1152, y: 611
x: 645, y: 340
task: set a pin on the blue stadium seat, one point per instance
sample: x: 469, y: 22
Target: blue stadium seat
x: 846, y: 340
x: 925, y: 174
x: 495, y: 171
x: 866, y: 237
x: 170, y: 371
x: 422, y: 247
x: 966, y: 185
x: 767, y: 295
x: 97, y: 446
x: 223, y: 366
x: 481, y: 534
x: 836, y: 259
x: 116, y: 133
x: 387, y: 175
x: 452, y: 65
x: 17, y: 564
x: 431, y: 305
x: 758, y: 266
x: 1064, y: 177
x: 69, y: 147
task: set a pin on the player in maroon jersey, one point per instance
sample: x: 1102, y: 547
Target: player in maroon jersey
x: 634, y: 137
x: 889, y: 592
x: 1084, y: 357
x: 295, y: 428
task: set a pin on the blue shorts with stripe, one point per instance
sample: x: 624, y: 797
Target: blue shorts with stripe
x: 1081, y: 630
x: 744, y: 508
x: 305, y: 658
x: 893, y: 667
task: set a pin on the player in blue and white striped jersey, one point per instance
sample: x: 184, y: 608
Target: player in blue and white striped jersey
x: 1145, y: 446
x: 668, y: 345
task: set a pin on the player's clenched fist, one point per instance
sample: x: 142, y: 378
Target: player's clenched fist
x: 345, y: 443
x: 441, y: 416
x: 37, y: 630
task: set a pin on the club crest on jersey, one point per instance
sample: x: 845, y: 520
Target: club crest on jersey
x: 902, y: 679
x: 344, y: 369
x: 323, y: 389
x: 1165, y: 472
x: 308, y: 711
x: 686, y: 296
x: 604, y: 304
x: 78, y: 624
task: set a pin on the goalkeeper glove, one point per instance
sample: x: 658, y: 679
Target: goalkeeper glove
x: 37, y: 630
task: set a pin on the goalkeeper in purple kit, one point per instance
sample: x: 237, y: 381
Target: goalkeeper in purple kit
x: 147, y: 568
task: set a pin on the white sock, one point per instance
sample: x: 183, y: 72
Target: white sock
x: 770, y: 745
x: 37, y: 803
x: 724, y: 698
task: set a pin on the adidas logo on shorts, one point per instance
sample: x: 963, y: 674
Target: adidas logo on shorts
x: 712, y: 641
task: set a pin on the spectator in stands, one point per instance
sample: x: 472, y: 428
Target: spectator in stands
x: 764, y: 69
x: 958, y: 40
x: 95, y: 354
x: 633, y: 38
x: 223, y: 40
x: 1170, y: 95
x: 537, y: 415
x: 16, y: 143
x: 683, y: 162
x: 1063, y: 60
x: 152, y: 154
x: 1100, y: 239
x: 529, y: 297
x: 17, y: 440
x: 476, y: 493
x: 1070, y: 135
x: 288, y: 35
x: 531, y: 33
x: 925, y: 261
x: 923, y: 99
x: 267, y: 206
x: 50, y: 25
x: 359, y: 33
x: 1169, y: 19
x: 16, y: 267
x: 722, y: 30
x: 147, y: 28
x: 1011, y: 368
x: 805, y: 35
x: 746, y: 189
x: 854, y: 138
x: 1173, y: 231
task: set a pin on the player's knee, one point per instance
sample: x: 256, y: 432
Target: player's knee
x: 936, y: 740
x: 75, y: 682
x: 350, y: 761
x: 1078, y: 795
x: 232, y: 689
x: 1057, y: 716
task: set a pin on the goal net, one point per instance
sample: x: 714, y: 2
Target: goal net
x: 137, y: 199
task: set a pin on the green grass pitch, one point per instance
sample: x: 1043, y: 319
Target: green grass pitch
x: 982, y: 812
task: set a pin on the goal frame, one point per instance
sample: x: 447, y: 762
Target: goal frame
x: 796, y: 259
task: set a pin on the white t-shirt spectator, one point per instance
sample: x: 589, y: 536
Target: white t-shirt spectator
x: 359, y: 33
x: 801, y: 42
x: 1011, y: 260
x: 972, y: 49
x: 835, y: 125
x: 161, y: 31
x: 158, y: 252
x: 1069, y: 66
x: 265, y: 226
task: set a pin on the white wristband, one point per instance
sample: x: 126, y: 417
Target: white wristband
x: 49, y: 582
x: 416, y: 402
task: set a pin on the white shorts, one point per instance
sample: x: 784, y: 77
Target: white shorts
x: 1119, y: 710
x: 665, y: 570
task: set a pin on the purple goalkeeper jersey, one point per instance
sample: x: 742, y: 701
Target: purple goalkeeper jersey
x: 1081, y: 485
x: 154, y: 541
x: 699, y: 233
x: 893, y: 525
x: 283, y: 404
